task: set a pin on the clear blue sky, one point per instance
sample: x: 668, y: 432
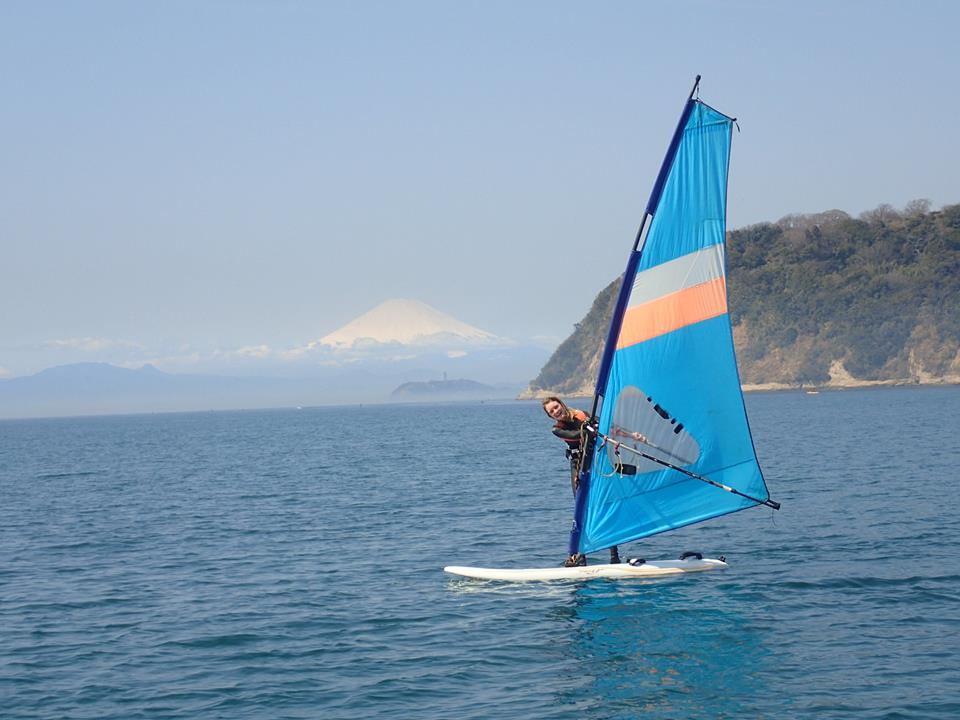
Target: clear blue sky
x: 183, y: 177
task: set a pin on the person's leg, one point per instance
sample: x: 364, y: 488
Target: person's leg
x: 579, y: 559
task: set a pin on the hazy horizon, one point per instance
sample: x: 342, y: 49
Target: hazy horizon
x: 188, y: 181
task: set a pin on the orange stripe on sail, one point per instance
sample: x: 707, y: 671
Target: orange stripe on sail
x: 672, y: 312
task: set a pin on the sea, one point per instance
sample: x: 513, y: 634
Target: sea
x: 288, y: 564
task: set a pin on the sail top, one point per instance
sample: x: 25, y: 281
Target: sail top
x: 671, y: 389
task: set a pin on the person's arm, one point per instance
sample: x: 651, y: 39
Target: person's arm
x: 565, y: 434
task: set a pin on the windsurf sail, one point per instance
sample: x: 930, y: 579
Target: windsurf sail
x: 672, y: 444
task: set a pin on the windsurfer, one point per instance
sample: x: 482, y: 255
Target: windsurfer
x: 569, y: 428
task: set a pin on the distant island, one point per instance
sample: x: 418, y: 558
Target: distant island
x: 445, y: 389
x: 822, y: 300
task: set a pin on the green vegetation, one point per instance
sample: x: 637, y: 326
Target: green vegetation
x: 879, y: 295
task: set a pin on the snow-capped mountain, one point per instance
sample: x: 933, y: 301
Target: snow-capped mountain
x: 407, y: 322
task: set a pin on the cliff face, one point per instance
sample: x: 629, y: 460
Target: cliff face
x: 820, y: 300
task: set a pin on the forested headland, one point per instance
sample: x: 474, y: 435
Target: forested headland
x: 824, y: 300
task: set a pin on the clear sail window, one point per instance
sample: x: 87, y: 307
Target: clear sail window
x: 641, y: 423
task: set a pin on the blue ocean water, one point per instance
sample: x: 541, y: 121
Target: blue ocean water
x: 286, y: 564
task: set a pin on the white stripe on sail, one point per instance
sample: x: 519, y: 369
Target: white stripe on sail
x: 678, y: 274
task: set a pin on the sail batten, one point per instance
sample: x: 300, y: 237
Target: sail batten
x: 668, y: 403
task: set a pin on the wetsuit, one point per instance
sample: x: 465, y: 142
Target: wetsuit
x: 569, y: 431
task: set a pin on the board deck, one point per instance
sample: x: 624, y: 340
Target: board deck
x: 652, y: 568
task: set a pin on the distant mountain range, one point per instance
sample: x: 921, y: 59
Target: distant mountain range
x: 99, y: 388
x: 399, y: 344
x: 102, y: 389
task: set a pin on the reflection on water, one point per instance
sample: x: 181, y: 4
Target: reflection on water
x: 661, y: 649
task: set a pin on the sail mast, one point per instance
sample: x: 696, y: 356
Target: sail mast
x: 616, y: 320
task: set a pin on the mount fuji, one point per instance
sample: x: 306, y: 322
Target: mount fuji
x: 407, y: 322
x: 403, y: 340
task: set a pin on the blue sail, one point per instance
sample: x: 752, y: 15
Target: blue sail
x: 668, y: 391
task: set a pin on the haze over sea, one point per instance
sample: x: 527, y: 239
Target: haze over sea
x: 287, y: 564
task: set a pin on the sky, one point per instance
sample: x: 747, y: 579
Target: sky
x: 182, y: 179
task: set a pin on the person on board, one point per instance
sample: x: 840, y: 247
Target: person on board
x: 569, y: 428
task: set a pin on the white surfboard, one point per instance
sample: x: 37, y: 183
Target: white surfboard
x: 649, y: 569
